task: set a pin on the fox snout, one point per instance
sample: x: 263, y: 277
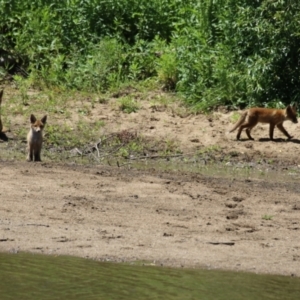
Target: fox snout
x: 292, y: 112
x: 37, y: 128
x: 294, y: 119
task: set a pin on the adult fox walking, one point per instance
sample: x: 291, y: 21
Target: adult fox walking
x: 275, y: 117
x: 35, y: 138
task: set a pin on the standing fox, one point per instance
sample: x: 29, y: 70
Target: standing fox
x: 1, y: 126
x: 275, y: 117
x: 35, y: 138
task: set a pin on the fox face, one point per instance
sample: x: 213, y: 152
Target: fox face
x: 35, y: 138
x: 291, y: 113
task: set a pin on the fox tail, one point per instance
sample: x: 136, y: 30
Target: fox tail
x: 240, y: 121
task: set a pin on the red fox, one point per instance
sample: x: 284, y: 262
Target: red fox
x: 35, y: 138
x: 2, y: 129
x: 1, y: 126
x: 275, y: 117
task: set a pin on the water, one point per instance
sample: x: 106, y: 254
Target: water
x: 32, y: 276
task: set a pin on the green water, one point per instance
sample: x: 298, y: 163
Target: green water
x: 30, y: 276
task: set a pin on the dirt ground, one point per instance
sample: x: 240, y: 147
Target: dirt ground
x: 170, y: 218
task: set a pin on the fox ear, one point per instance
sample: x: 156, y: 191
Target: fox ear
x: 44, y: 119
x: 32, y: 119
x: 292, y: 107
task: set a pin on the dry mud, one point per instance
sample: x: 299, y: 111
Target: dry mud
x: 171, y: 218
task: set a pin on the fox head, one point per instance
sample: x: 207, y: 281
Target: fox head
x: 38, y: 125
x: 291, y: 113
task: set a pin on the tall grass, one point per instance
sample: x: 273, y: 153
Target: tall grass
x: 213, y: 52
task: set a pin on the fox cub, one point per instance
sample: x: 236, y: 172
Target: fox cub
x: 275, y: 117
x: 35, y: 138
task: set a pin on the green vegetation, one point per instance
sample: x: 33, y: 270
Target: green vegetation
x: 75, y: 132
x: 235, y: 117
x: 34, y: 276
x: 128, y: 104
x: 267, y: 217
x: 226, y: 52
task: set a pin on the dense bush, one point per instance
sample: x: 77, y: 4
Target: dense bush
x: 244, y: 53
x: 214, y: 52
x: 67, y: 42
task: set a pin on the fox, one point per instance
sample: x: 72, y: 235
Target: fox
x: 1, y: 125
x: 275, y: 117
x: 35, y: 138
x: 3, y: 130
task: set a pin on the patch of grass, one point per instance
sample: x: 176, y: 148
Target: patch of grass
x: 167, y: 70
x: 171, y: 147
x: 149, y: 84
x: 13, y: 150
x: 163, y: 101
x: 46, y: 102
x: 181, y: 110
x: 267, y: 217
x: 68, y: 137
x: 133, y: 145
x: 234, y: 153
x: 123, y: 152
x: 234, y: 117
x: 21, y: 132
x: 23, y: 86
x: 60, y: 135
x: 85, y: 110
x: 125, y: 143
x: 210, y: 154
x: 128, y: 105
x: 210, y: 149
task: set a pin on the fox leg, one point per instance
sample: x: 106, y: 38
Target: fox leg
x: 249, y: 124
x: 271, y: 131
x: 30, y: 154
x: 248, y: 127
x: 248, y: 132
x: 37, y: 155
x: 282, y: 129
x: 240, y: 131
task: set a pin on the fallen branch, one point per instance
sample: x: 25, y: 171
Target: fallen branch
x: 38, y: 225
x: 155, y: 156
